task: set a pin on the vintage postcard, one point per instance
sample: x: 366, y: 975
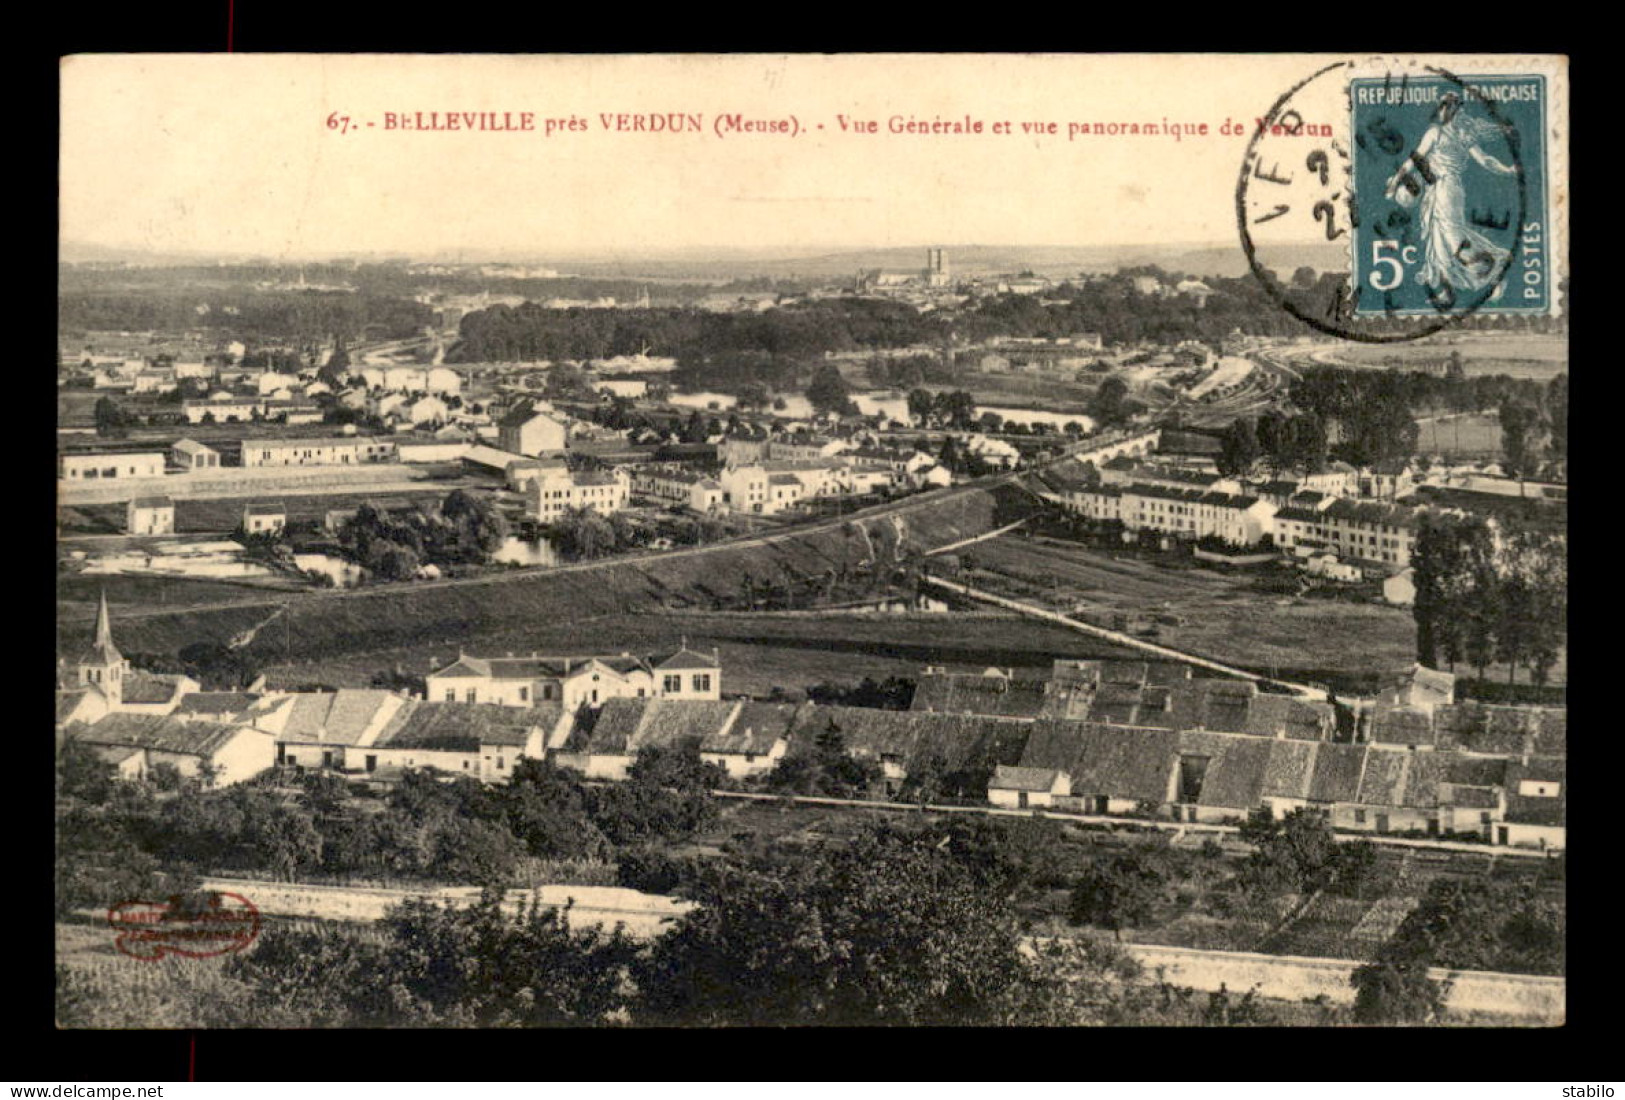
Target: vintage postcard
x: 630, y: 541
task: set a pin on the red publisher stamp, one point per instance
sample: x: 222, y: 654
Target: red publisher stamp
x: 194, y: 928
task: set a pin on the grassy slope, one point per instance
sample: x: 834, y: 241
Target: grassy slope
x: 324, y: 625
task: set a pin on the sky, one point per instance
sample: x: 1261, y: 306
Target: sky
x: 226, y: 154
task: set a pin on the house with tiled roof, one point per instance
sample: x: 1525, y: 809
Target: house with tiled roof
x: 752, y: 741
x: 1020, y: 788
x: 603, y: 745
x: 1114, y: 769
x: 1420, y: 687
x: 1220, y: 775
x: 79, y: 705
x: 521, y: 472
x: 958, y: 749
x: 478, y: 740
x: 218, y: 706
x: 1536, y: 804
x: 191, y: 455
x: 687, y: 674
x: 994, y: 693
x: 264, y: 518
x: 554, y: 490
x: 1366, y: 531
x: 137, y: 743
x: 314, y: 729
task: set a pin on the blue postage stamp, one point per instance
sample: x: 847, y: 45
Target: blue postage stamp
x: 1451, y: 179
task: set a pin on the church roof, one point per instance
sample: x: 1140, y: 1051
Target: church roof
x: 102, y: 651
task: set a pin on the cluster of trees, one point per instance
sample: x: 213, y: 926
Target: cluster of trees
x: 1279, y: 441
x: 892, y: 693
x: 906, y: 372
x: 829, y: 393
x: 828, y: 770
x: 769, y: 341
x: 1376, y: 410
x: 214, y: 665
x: 309, y: 319
x: 946, y: 409
x: 152, y: 838
x: 958, y: 458
x: 1111, y: 405
x: 1535, y: 429
x: 1459, y: 924
x: 1147, y: 885
x: 1484, y: 596
x: 112, y: 421
x: 464, y: 529
x: 896, y: 928
x: 581, y: 534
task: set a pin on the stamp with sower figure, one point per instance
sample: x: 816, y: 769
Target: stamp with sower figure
x: 1440, y: 182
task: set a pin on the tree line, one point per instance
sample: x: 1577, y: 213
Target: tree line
x: 1376, y: 410
x: 1486, y: 595
x: 1281, y: 442
x: 309, y: 319
x: 118, y: 839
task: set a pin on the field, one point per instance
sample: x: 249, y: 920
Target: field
x: 1522, y: 355
x: 1469, y: 434
x: 759, y: 651
x: 75, y: 593
x: 1205, y: 611
x: 324, y: 625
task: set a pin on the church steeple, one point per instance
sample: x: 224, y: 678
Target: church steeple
x: 103, y: 665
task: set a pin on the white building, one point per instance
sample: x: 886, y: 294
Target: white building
x: 334, y: 451
x: 104, y: 465
x: 677, y: 486
x: 554, y: 491
x: 745, y: 488
x: 137, y: 743
x: 191, y: 455
x: 264, y: 519
x: 150, y: 516
x: 1020, y: 788
x: 222, y: 409
x: 576, y: 681
x: 527, y: 431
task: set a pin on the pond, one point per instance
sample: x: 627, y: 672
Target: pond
x: 518, y: 551
x: 345, y: 574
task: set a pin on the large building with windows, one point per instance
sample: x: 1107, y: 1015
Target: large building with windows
x: 576, y: 681
x: 555, y: 490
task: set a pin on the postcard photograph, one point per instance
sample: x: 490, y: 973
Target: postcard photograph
x: 799, y: 540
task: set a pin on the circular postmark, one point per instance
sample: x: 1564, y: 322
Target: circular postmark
x: 1416, y: 174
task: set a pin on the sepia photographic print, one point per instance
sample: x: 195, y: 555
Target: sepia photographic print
x: 797, y: 540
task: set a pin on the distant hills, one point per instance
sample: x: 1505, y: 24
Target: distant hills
x: 1051, y: 260
x: 723, y: 264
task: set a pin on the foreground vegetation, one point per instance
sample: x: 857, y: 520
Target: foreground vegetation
x: 861, y: 920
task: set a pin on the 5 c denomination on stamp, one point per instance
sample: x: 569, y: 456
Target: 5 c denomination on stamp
x: 1436, y: 184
